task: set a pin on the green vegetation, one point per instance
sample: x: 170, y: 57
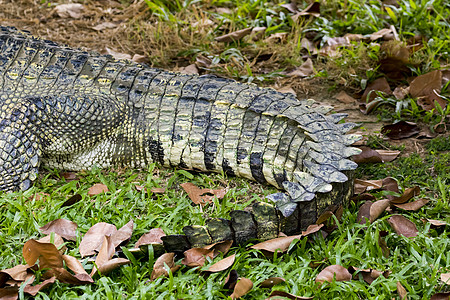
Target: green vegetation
x: 172, y: 31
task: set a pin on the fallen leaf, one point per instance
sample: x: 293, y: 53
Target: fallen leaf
x: 159, y: 268
x: 9, y: 293
x: 18, y: 273
x: 383, y: 246
x: 47, y: 253
x: 367, y: 155
x: 401, y: 291
x: 153, y: 236
x: 117, y: 55
x: 287, y: 89
x: 280, y: 244
x: 345, y: 98
x: 34, y: 289
x: 271, y: 282
x: 234, y: 36
x: 445, y: 277
x: 231, y: 280
x: 104, y: 25
x: 377, y: 208
x: 139, y: 58
x: 74, y: 264
x: 221, y: 247
x: 258, y: 33
x: 364, y: 212
x: 312, y: 9
x: 312, y: 229
x: 362, y: 186
x: 403, y: 226
x: 306, y: 69
x: 378, y: 85
x: 65, y: 277
x: 199, y: 196
x: 441, y: 296
x: 69, y: 176
x: 400, y: 92
x: 112, y: 264
x: 40, y: 196
x: 369, y: 275
x: 191, y: 69
x: 65, y: 228
x: 196, y: 257
x: 242, y: 287
x: 436, y: 222
x: 385, y: 32
x: 93, y: 239
x: 407, y: 195
x: 56, y: 240
x: 72, y: 10
x: 105, y: 254
x: 275, y: 294
x: 72, y: 200
x: 425, y: 87
x: 394, y: 60
x: 413, y: 206
x: 334, y: 271
x: 292, y: 7
x: 97, y: 188
x: 388, y: 155
x: 400, y: 130
x: 324, y: 217
x: 390, y: 184
x: 222, y: 264
x: 158, y: 190
x: 122, y: 235
x: 309, y: 46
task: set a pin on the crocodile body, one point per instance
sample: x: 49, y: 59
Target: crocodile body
x: 70, y: 109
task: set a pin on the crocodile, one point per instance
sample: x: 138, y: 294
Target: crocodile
x: 71, y: 109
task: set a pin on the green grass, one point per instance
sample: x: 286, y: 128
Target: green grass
x: 168, y: 28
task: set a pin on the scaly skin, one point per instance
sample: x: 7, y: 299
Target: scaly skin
x: 68, y: 109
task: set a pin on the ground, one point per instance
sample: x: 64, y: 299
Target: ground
x: 174, y: 35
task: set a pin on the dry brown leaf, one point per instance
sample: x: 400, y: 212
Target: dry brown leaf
x: 34, y: 289
x: 258, y: 33
x: 445, y: 277
x: 74, y: 264
x: 231, y: 280
x: 47, y: 253
x: 281, y: 244
x: 436, y: 222
x: 200, y: 196
x: 390, y: 184
x: 65, y: 277
x: 413, y: 206
x: 242, y: 287
x: 367, y: 155
x: 334, y: 271
x: 191, y: 69
x: 18, y: 273
x: 158, y: 190
x: 407, y: 194
x: 306, y: 69
x: 234, y: 36
x: 388, y: 155
x: 160, y: 270
x: 104, y: 25
x: 93, y: 239
x: 364, y: 212
x: 97, y: 188
x: 403, y: 226
x: 309, y: 46
x: 369, y: 275
x: 112, y: 264
x: 151, y: 237
x: 402, y: 293
x: 324, y: 217
x: 367, y: 185
x: 276, y: 294
x: 345, y: 98
x: 72, y: 10
x: 123, y: 235
x: 221, y: 247
x: 40, y: 196
x: 380, y: 85
x: 287, y: 89
x: 292, y: 7
x: 311, y: 10
x: 72, y: 200
x: 425, y: 87
x: 222, y: 264
x: 117, y: 55
x: 56, y: 240
x: 384, y: 33
x: 271, y: 282
x: 104, y: 255
x: 377, y: 208
x: 441, y: 296
x: 65, y: 228
x: 400, y: 92
x: 400, y: 130
x: 139, y: 58
x: 312, y: 229
x: 196, y: 257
